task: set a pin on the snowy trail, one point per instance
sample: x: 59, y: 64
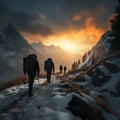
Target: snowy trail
x: 51, y: 101
x: 15, y: 99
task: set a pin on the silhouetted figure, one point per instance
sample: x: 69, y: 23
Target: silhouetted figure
x: 31, y: 68
x: 61, y: 69
x: 49, y: 67
x: 79, y: 62
x: 65, y: 69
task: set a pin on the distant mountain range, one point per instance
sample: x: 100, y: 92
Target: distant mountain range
x: 59, y: 56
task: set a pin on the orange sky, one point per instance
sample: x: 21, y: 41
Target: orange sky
x: 73, y: 25
x: 75, y: 41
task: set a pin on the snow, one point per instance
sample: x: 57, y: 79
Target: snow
x: 85, y: 83
x: 52, y: 106
x: 109, y: 116
x: 110, y: 85
x: 113, y: 102
x: 73, y: 76
x: 105, y: 41
x: 48, y: 114
x: 116, y: 61
x: 47, y: 104
x: 87, y: 62
x: 87, y: 77
x: 9, y: 95
x: 104, y: 70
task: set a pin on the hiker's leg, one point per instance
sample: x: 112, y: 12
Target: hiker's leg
x: 49, y: 77
x: 30, y: 87
x: 31, y: 80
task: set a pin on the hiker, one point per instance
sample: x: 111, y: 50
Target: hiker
x: 49, y: 67
x: 65, y: 69
x: 61, y: 69
x: 31, y: 68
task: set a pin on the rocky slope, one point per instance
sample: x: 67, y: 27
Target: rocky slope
x: 98, y: 77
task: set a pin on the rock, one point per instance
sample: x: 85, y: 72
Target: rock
x: 81, y: 108
x: 99, y: 77
x: 111, y: 67
x: 117, y: 86
x: 79, y: 79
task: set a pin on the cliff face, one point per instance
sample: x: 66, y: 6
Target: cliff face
x: 108, y: 44
x: 13, y: 47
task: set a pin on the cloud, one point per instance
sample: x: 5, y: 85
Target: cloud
x: 76, y: 18
x: 41, y: 17
x: 29, y: 23
x: 98, y: 10
x: 25, y: 22
x: 61, y: 14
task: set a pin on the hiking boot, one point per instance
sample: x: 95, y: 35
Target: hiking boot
x: 30, y: 95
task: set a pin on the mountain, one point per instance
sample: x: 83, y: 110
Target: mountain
x: 59, y: 56
x: 108, y: 44
x: 13, y: 47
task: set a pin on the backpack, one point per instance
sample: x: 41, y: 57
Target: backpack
x: 49, y: 65
x: 30, y: 63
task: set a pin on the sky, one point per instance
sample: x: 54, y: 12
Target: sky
x: 74, y: 25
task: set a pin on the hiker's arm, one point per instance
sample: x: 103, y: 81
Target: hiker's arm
x: 38, y: 68
x: 53, y: 67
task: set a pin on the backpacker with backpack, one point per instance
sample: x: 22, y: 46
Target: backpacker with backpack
x: 30, y: 63
x: 49, y: 66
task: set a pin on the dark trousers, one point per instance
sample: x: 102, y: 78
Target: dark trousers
x: 48, y: 76
x: 31, y: 76
x: 60, y: 71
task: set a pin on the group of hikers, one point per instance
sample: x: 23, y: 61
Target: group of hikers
x: 31, y: 68
x: 61, y: 68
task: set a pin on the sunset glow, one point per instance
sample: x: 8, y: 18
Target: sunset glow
x: 73, y: 25
x: 75, y: 41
